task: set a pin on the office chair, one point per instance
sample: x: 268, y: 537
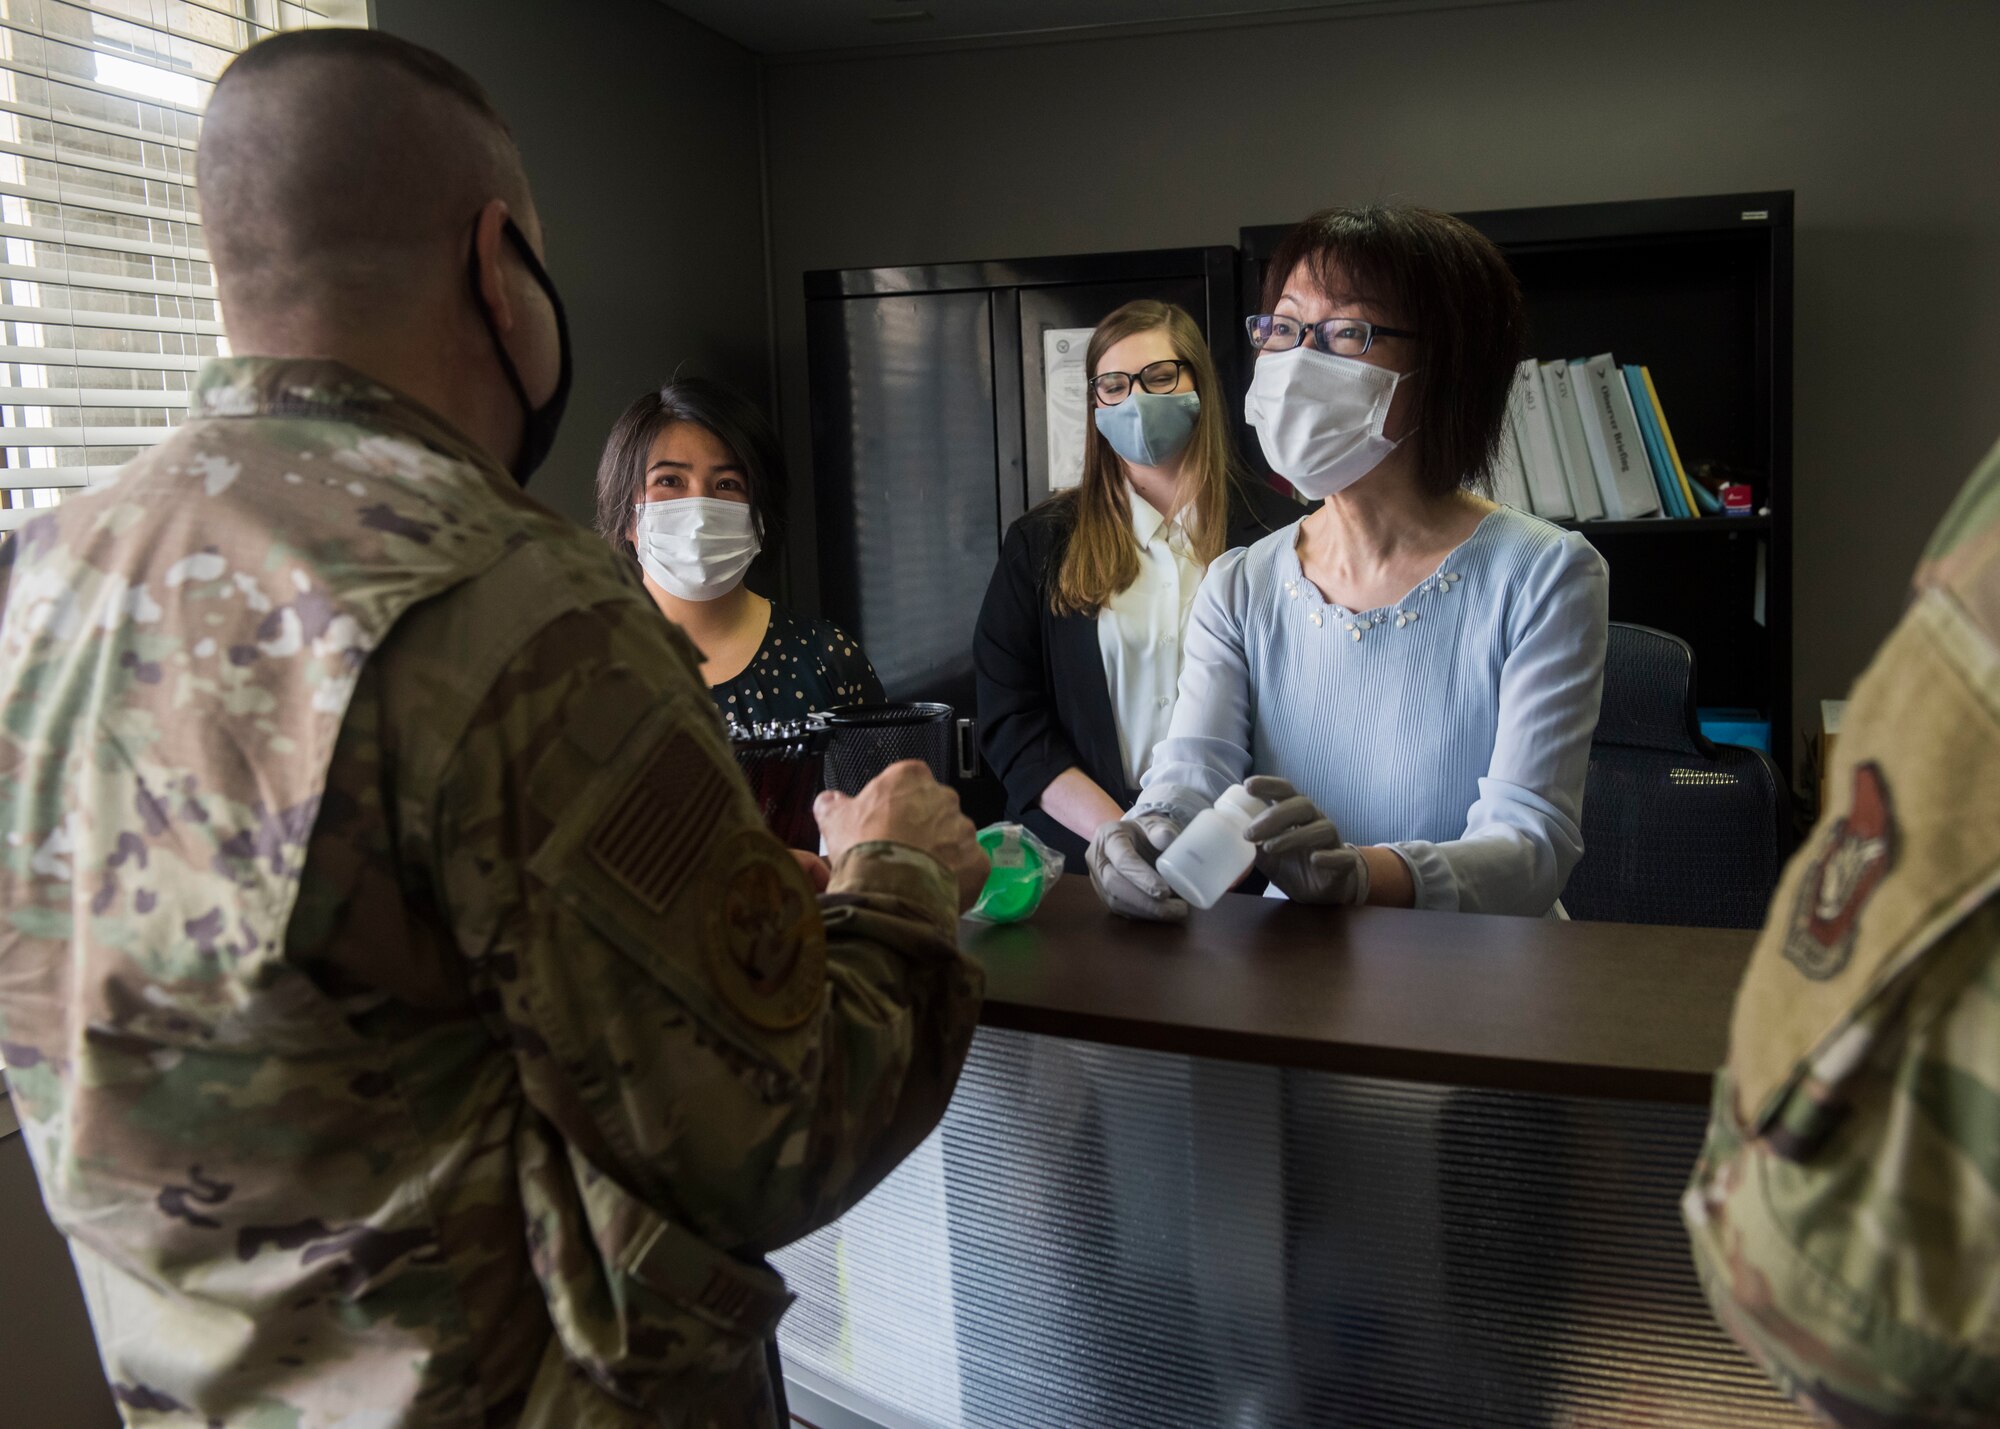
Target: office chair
x: 1676, y: 829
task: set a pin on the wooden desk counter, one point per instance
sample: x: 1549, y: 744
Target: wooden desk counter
x: 1528, y: 1004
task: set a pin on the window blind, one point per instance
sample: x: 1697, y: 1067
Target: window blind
x: 107, y: 301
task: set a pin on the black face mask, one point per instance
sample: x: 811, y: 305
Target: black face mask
x: 538, y: 424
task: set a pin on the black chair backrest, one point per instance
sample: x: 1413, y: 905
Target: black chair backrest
x: 1676, y: 829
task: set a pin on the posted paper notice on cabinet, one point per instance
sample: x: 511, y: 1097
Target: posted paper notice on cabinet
x: 1067, y: 410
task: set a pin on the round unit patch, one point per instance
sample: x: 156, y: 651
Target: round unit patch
x: 766, y: 943
x: 1856, y: 854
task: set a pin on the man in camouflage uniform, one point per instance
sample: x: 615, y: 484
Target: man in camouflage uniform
x: 1846, y: 1211
x: 411, y: 1021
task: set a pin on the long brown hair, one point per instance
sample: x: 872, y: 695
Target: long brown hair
x: 1103, y: 556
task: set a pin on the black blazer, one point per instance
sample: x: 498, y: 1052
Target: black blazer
x: 1044, y: 705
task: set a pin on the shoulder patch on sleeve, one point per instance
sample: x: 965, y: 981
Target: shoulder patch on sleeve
x: 650, y: 838
x: 766, y: 943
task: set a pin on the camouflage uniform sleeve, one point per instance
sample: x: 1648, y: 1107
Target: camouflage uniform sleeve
x: 719, y: 1061
x: 1850, y: 1247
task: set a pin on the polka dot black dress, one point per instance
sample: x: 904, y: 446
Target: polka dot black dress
x: 802, y: 667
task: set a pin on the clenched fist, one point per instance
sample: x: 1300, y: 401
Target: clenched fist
x: 905, y: 805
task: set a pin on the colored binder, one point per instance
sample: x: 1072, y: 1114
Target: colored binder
x: 1699, y: 498
x: 1656, y: 450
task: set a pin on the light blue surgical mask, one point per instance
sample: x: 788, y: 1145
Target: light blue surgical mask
x: 1150, y: 428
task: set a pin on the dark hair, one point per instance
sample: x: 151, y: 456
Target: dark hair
x: 1442, y: 278
x: 734, y: 421
x: 374, y: 46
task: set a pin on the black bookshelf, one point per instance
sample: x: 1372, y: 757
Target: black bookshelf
x: 1699, y: 290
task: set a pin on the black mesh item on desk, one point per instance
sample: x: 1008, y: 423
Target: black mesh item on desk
x: 783, y: 771
x: 866, y: 739
x: 1676, y: 829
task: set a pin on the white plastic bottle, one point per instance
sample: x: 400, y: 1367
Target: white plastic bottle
x: 1211, y: 853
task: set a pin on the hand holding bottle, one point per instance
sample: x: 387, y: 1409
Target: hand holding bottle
x: 1123, y: 855
x: 1300, y: 850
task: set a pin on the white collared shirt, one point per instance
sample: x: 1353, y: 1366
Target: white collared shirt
x: 1139, y: 633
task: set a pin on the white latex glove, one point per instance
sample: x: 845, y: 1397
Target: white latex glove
x: 1300, y: 850
x: 1122, y: 855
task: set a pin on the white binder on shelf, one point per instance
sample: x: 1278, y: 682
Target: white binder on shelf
x: 1559, y: 393
x: 1539, y: 459
x: 1614, y: 440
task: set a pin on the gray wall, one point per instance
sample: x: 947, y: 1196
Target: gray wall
x: 1885, y: 119
x: 640, y: 133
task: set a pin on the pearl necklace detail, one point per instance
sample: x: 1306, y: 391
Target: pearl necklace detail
x: 1444, y: 583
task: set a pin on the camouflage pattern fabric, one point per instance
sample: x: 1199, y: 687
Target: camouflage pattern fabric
x: 411, y: 1021
x: 1845, y: 1214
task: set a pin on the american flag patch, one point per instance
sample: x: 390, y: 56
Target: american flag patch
x: 652, y: 838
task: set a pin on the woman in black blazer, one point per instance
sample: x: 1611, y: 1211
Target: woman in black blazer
x: 1077, y: 647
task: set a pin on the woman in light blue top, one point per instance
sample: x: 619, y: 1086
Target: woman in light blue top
x: 1409, y: 676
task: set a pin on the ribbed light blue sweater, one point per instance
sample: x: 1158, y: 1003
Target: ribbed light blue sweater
x: 1455, y: 729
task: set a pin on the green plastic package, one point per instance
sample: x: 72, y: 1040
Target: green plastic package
x: 1024, y: 869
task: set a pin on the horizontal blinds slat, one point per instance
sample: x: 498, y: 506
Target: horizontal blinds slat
x: 62, y: 106
x: 67, y: 397
x: 70, y: 438
x: 126, y: 208
x: 59, y: 478
x: 59, y: 303
x: 89, y: 344
x: 231, y: 14
x: 96, y: 186
x: 58, y: 57
x: 31, y: 478
x: 187, y: 143
x: 82, y: 236
x: 73, y: 357
x: 148, y: 22
x: 176, y: 139
x: 254, y: 29
x: 86, y: 319
x: 93, y: 260
x: 75, y: 156
x: 100, y: 241
x: 89, y: 200
x: 66, y: 316
x: 93, y: 475
x: 83, y: 279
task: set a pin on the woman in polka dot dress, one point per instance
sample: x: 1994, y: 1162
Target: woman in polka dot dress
x: 801, y: 666
x: 692, y: 487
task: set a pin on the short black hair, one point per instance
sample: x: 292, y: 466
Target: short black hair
x: 733, y: 420
x: 339, y: 168
x: 274, y: 52
x: 1439, y: 277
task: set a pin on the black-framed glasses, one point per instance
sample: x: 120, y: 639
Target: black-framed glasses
x: 1343, y: 337
x: 1111, y: 388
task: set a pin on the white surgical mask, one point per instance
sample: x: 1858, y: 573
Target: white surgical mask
x: 695, y: 547
x: 1319, y: 417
